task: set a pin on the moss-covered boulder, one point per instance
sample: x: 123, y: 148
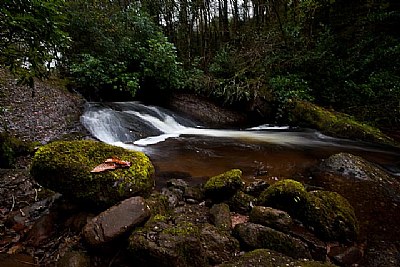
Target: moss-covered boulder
x: 287, y: 195
x: 66, y: 167
x: 224, y: 186
x: 335, y: 124
x: 327, y: 213
x: 331, y: 216
x: 270, y: 258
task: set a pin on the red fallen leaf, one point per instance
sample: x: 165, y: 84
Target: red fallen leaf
x: 111, y: 164
x: 117, y: 161
x: 104, y: 167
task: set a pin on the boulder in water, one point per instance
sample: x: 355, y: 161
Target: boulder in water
x: 66, y: 166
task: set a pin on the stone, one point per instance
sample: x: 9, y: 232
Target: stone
x: 241, y: 202
x: 330, y: 215
x: 220, y: 216
x: 224, y: 186
x: 116, y: 221
x: 256, y: 188
x: 182, y: 238
x: 254, y: 236
x: 65, y: 167
x: 270, y: 258
x: 271, y: 217
x: 74, y: 259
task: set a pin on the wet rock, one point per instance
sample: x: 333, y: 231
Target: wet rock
x: 254, y: 236
x: 318, y: 248
x: 220, y: 216
x: 353, y: 167
x: 219, y: 246
x: 194, y: 193
x: 270, y: 258
x: 173, y: 197
x: 329, y: 214
x: 224, y: 186
x: 382, y: 253
x: 116, y: 221
x: 177, y: 183
x: 271, y: 217
x: 66, y: 167
x: 182, y: 238
x: 256, y: 188
x: 205, y: 111
x: 42, y: 230
x: 346, y: 256
x: 241, y: 202
x: 74, y: 259
x: 336, y: 124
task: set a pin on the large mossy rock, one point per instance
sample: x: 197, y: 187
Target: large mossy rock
x: 270, y: 258
x: 329, y: 214
x: 335, y: 124
x: 224, y: 186
x: 66, y: 166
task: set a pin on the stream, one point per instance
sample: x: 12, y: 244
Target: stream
x: 179, y: 148
x: 176, y: 144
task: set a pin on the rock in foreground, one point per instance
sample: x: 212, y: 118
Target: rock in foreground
x: 66, y: 167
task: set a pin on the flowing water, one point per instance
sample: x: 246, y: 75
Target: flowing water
x: 179, y: 148
x: 176, y: 144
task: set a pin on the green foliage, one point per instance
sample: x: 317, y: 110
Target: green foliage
x: 30, y: 36
x: 290, y: 86
x: 121, y: 49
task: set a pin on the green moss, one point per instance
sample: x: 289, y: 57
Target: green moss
x: 224, y: 185
x: 66, y: 166
x: 182, y: 229
x: 334, y: 124
x: 287, y: 195
x: 270, y: 258
x: 329, y: 214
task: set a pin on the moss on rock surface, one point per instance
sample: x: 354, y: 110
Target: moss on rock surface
x: 335, y: 124
x: 331, y: 216
x: 66, y: 166
x: 328, y: 213
x: 287, y: 195
x: 270, y: 258
x: 224, y: 185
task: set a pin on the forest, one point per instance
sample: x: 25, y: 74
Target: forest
x: 342, y: 55
x: 199, y: 133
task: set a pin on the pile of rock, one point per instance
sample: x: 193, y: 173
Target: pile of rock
x: 221, y: 223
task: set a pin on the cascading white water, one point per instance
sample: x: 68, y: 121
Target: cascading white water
x: 133, y: 125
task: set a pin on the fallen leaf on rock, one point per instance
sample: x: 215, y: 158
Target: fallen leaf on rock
x: 111, y: 164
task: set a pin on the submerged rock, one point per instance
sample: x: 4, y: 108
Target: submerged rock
x: 224, y: 186
x: 66, y: 167
x: 329, y: 214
